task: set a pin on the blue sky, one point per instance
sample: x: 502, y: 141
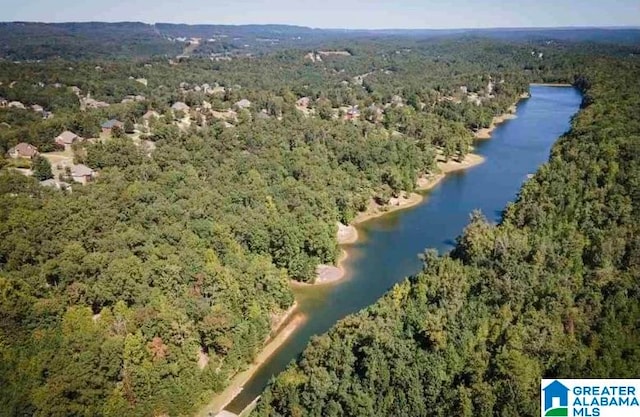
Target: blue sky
x: 336, y: 13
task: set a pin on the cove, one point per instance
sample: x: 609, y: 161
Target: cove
x: 388, y: 248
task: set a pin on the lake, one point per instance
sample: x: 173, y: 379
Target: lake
x: 389, y: 246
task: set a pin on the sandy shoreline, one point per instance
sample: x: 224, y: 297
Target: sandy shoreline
x: 485, y: 132
x: 221, y: 400
x: 347, y: 235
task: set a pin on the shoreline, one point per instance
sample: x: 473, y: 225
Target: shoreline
x: 551, y: 84
x: 395, y: 204
x: 327, y: 274
x: 485, y: 132
x: 283, y: 332
x: 347, y: 235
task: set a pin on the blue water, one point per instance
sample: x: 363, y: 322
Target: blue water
x: 389, y: 251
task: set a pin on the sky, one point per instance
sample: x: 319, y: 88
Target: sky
x: 347, y: 14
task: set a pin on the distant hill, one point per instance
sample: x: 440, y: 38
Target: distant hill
x: 19, y: 40
x: 27, y: 40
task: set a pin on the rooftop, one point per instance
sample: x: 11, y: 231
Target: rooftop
x: 111, y: 123
x: 81, y: 170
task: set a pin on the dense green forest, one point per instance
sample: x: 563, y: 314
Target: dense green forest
x: 550, y: 292
x: 143, y: 292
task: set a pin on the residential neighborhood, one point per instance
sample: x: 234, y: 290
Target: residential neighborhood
x: 137, y: 115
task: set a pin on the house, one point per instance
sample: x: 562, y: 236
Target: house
x: 217, y: 90
x: 3, y: 102
x: 397, y: 100
x: 110, y: 124
x: 94, y: 104
x: 23, y: 150
x: 352, y: 113
x: 262, y: 115
x: 179, y: 106
x: 49, y: 183
x: 82, y: 173
x: 151, y: 114
x: 60, y: 185
x: 67, y: 139
x: 16, y: 105
x: 375, y: 113
x: 303, y: 102
x: 243, y: 104
x: 37, y: 108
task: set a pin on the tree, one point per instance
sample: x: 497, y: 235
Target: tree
x: 128, y: 126
x: 117, y: 132
x: 324, y: 110
x: 41, y: 168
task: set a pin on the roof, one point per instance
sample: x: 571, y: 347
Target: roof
x: 67, y: 137
x: 81, y: 170
x: 111, y: 123
x: 95, y: 103
x: 150, y: 114
x: 178, y: 105
x: 243, y: 103
x: 49, y: 183
x: 24, y: 149
x: 16, y: 104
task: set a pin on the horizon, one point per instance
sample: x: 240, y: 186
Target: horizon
x: 570, y: 27
x: 336, y: 14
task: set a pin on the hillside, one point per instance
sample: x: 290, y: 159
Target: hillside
x: 90, y: 40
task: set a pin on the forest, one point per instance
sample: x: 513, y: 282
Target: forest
x: 144, y: 291
x: 552, y: 291
x: 134, y: 40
